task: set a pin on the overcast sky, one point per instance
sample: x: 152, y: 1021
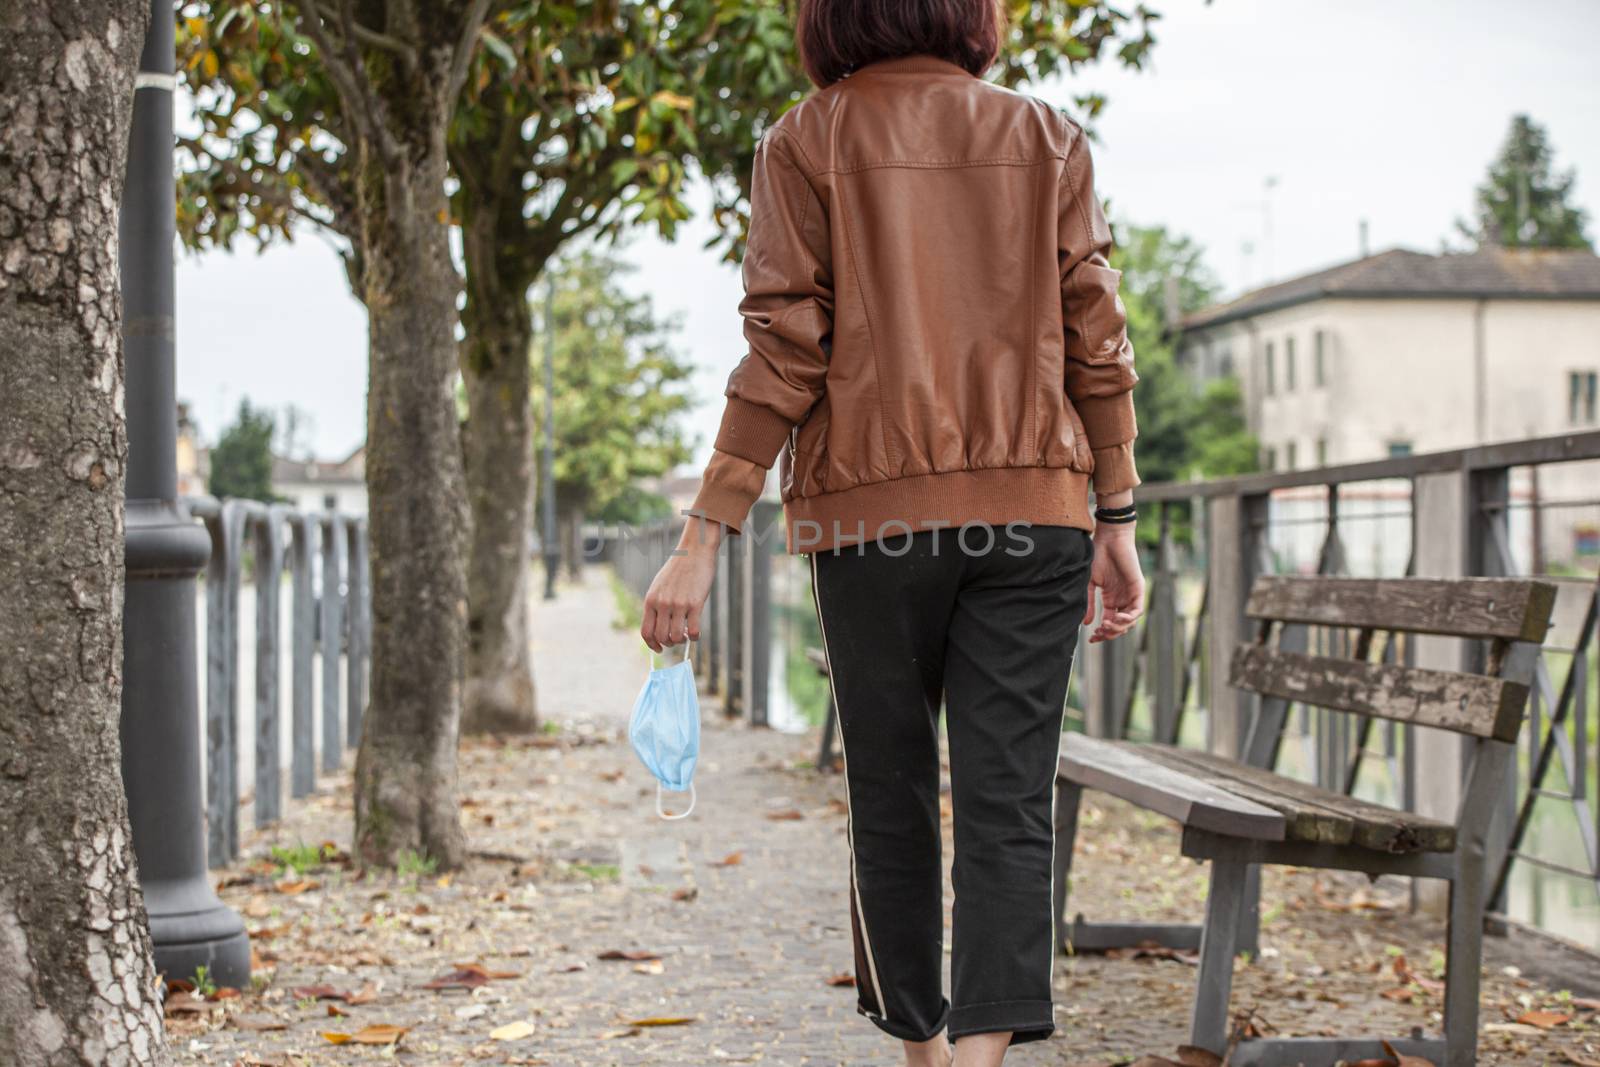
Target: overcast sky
x: 1359, y: 109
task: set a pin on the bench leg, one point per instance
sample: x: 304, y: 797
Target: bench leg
x: 1462, y: 963
x: 1208, y: 1028
x: 1250, y: 912
x: 1068, y: 796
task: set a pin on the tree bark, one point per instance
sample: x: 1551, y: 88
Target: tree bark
x: 77, y: 984
x: 502, y: 259
x: 498, y: 445
x: 405, y: 779
x: 572, y: 540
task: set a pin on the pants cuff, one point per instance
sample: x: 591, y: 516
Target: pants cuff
x: 1028, y: 1020
x: 905, y: 1031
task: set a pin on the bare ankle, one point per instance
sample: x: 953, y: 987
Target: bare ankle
x: 934, y: 1052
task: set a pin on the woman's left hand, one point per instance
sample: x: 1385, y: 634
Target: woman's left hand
x: 1117, y: 577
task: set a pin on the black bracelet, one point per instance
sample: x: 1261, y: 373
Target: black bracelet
x: 1126, y: 509
x: 1115, y: 516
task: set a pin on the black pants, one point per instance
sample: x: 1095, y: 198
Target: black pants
x: 988, y: 620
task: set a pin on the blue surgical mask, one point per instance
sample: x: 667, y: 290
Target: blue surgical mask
x: 665, y: 729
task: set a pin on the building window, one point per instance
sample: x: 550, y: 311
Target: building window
x: 1269, y: 459
x: 1319, y: 370
x: 1322, y: 451
x: 1289, y: 462
x: 1272, y: 377
x: 1288, y: 365
x: 1399, y: 448
x: 1583, y: 397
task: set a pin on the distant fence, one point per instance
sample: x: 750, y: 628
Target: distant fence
x: 330, y: 624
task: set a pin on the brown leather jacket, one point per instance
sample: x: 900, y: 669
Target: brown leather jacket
x: 935, y: 335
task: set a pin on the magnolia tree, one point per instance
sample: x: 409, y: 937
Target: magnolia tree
x: 571, y: 119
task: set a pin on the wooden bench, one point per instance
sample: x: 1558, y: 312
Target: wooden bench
x: 1238, y: 814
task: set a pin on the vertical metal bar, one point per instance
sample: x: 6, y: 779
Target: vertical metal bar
x: 733, y: 702
x: 1164, y: 636
x: 222, y: 686
x: 714, y: 622
x: 357, y: 626
x: 761, y: 548
x: 330, y: 602
x: 303, y: 759
x: 269, y: 544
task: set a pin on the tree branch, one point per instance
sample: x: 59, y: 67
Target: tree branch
x: 467, y: 44
x: 363, y: 106
x: 378, y: 39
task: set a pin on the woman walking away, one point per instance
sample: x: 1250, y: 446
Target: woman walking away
x: 939, y: 358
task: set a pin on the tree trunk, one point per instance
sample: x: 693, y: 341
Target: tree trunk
x: 501, y: 262
x: 572, y: 541
x: 405, y: 782
x: 77, y: 985
x: 498, y: 442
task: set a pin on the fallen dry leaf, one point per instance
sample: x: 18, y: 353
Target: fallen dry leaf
x: 257, y: 1023
x: 1402, y: 1060
x: 686, y: 894
x: 732, y: 859
x: 468, y: 976
x: 336, y: 1011
x: 376, y: 1034
x: 844, y: 978
x: 663, y: 1020
x: 650, y: 967
x: 296, y: 887
x: 629, y: 954
x: 788, y: 815
x: 1579, y: 1059
x: 1402, y: 993
x: 1544, y: 1020
x: 512, y: 1031
x: 1194, y: 1056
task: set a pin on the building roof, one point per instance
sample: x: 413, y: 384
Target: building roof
x: 352, y: 470
x: 1502, y: 273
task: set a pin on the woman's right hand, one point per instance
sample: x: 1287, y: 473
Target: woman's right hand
x: 678, y: 594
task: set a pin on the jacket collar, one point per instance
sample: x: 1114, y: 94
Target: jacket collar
x: 915, y: 64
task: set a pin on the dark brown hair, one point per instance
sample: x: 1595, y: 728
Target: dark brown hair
x: 837, y: 37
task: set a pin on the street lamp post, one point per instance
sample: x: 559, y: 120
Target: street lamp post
x: 552, y: 550
x: 165, y: 551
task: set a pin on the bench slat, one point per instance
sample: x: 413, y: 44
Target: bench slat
x: 1303, y: 821
x: 1465, y: 703
x: 1513, y: 608
x: 1373, y: 825
x: 1122, y: 771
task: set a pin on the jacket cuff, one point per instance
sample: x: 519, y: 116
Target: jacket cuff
x: 1107, y: 420
x: 752, y: 431
x: 728, y: 488
x: 1114, y: 469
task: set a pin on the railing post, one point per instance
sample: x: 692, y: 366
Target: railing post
x: 765, y: 524
x: 302, y: 760
x: 222, y: 683
x: 359, y: 626
x: 1164, y: 637
x: 1237, y: 524
x: 1441, y: 515
x: 330, y: 602
x: 734, y: 701
x: 269, y: 545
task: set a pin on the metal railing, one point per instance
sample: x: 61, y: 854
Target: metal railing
x: 325, y: 554
x: 1476, y: 511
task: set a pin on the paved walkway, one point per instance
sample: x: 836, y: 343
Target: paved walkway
x: 735, y: 919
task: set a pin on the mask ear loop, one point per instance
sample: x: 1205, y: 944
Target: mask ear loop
x: 681, y: 815
x: 650, y: 653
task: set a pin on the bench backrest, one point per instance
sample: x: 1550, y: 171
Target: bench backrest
x: 1508, y: 612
